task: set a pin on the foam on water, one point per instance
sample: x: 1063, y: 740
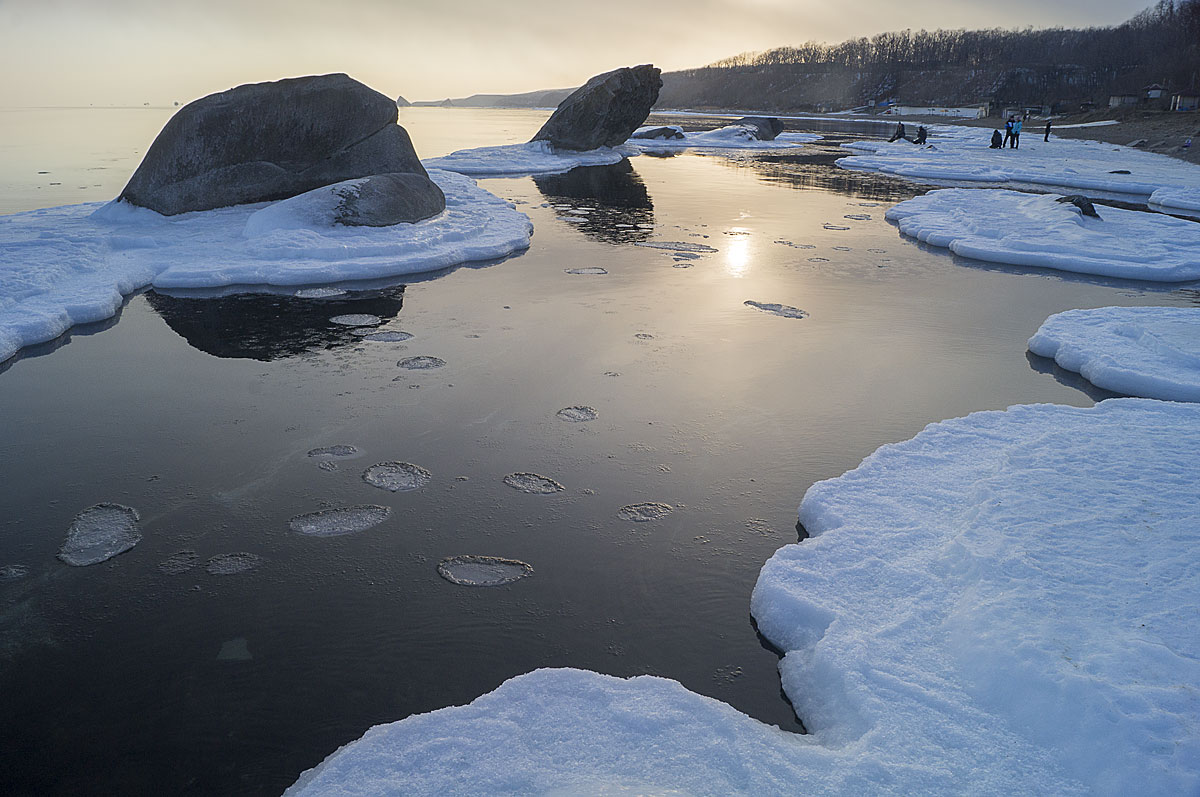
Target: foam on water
x: 533, y: 483
x: 13, y: 572
x: 179, y: 562
x: 421, y: 362
x: 778, y: 309
x: 645, y: 511
x: 578, y: 414
x: 99, y: 533
x: 397, y: 477
x: 228, y: 564
x: 482, y: 571
x: 335, y: 522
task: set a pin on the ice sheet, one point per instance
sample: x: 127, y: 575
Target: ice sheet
x: 1139, y: 351
x: 519, y: 160
x: 1177, y: 200
x: 729, y: 137
x: 74, y: 264
x: 1037, y: 231
x: 963, y: 154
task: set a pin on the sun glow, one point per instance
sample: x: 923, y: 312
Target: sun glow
x: 737, y: 253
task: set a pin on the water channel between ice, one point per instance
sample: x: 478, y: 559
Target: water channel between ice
x: 152, y: 673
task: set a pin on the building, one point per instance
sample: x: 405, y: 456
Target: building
x: 1118, y: 100
x: 1185, y: 101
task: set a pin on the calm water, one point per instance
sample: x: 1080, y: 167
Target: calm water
x: 199, y: 412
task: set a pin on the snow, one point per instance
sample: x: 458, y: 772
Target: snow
x: 1003, y: 604
x: 74, y: 264
x: 1139, y: 351
x: 728, y: 137
x: 520, y: 160
x: 1177, y: 200
x: 1036, y: 231
x: 962, y: 154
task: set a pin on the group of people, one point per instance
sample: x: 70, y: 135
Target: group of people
x: 922, y: 134
x: 1012, y: 134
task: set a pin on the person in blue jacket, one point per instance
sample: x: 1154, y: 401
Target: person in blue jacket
x: 1016, y: 134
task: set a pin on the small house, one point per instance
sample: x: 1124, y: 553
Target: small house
x: 1185, y: 101
x: 1153, y: 91
x: 1118, y: 100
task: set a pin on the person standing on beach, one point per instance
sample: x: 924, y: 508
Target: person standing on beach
x: 1007, y: 133
x: 1047, y: 138
x: 1016, y: 133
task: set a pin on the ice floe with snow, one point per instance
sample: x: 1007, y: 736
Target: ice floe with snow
x: 587, y: 270
x: 397, y: 477
x: 578, y: 414
x: 383, y: 336
x: 1037, y: 231
x: 1177, y: 200
x: 228, y: 564
x: 645, y: 511
x: 962, y: 154
x: 179, y: 562
x: 74, y: 264
x: 687, y: 247
x: 518, y: 160
x: 339, y: 521
x: 777, y: 309
x: 356, y: 320
x: 339, y: 450
x: 728, y: 137
x: 99, y: 533
x: 471, y: 570
x: 422, y: 362
x: 533, y: 483
x: 1152, y: 352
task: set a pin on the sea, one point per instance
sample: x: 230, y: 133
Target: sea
x: 740, y: 326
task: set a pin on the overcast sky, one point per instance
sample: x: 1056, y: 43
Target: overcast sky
x: 128, y: 52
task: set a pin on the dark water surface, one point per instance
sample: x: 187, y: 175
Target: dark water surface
x: 199, y: 412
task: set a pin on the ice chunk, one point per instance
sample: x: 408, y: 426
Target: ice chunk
x: 737, y: 137
x: 319, y: 293
x: 645, y: 511
x: 227, y: 564
x: 421, y: 363
x: 339, y: 450
x: 180, y: 562
x: 77, y: 262
x: 1037, y: 231
x: 1139, y: 351
x: 235, y: 650
x: 99, y: 533
x: 533, y: 483
x: 335, y: 522
x: 587, y: 270
x: 356, y: 320
x: 517, y: 160
x: 1177, y: 200
x: 578, y: 414
x: 778, y: 309
x: 398, y: 477
x: 385, y: 336
x: 858, y: 216
x: 482, y: 571
x: 676, y: 246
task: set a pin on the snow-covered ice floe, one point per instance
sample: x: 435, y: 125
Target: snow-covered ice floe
x: 519, y: 160
x: 1038, y: 231
x: 73, y: 264
x: 962, y: 154
x: 1139, y: 351
x: 729, y: 137
x: 1004, y: 604
x: 1177, y: 200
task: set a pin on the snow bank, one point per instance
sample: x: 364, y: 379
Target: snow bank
x: 73, y: 264
x: 1003, y: 604
x: 1011, y: 589
x: 1177, y: 200
x: 729, y: 137
x: 962, y: 154
x: 519, y: 160
x: 1139, y: 351
x: 1037, y: 231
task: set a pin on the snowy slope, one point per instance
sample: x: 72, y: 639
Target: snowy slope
x: 1139, y: 351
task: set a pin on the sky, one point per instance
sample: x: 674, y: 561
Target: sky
x: 130, y: 52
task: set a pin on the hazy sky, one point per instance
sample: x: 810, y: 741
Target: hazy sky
x: 127, y: 52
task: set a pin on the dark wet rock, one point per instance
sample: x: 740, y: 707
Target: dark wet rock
x: 482, y: 571
x: 1083, y: 203
x: 766, y: 127
x: 382, y: 200
x: 1120, y: 171
x: 670, y: 133
x: 269, y: 141
x: 605, y: 111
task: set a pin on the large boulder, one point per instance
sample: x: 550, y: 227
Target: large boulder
x: 382, y: 200
x: 767, y: 127
x: 605, y: 111
x: 267, y: 141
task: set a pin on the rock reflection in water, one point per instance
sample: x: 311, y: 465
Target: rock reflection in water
x: 264, y: 326
x: 614, y: 196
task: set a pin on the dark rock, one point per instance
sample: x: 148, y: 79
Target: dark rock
x: 268, y: 141
x: 1083, y: 203
x: 767, y: 126
x: 385, y: 199
x: 605, y: 111
x: 1120, y: 171
x: 671, y: 133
